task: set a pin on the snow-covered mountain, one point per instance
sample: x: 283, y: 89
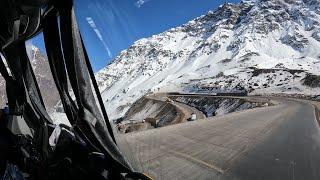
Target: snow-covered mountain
x: 264, y: 46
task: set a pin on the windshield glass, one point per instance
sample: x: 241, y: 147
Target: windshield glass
x: 208, y: 89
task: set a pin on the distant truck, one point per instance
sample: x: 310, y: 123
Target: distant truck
x: 193, y: 117
x: 169, y: 100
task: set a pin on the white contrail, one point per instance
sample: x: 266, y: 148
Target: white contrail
x: 96, y: 30
x: 139, y: 3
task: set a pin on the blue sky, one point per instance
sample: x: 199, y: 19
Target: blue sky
x: 110, y: 26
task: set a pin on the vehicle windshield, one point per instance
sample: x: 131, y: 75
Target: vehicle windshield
x: 204, y: 89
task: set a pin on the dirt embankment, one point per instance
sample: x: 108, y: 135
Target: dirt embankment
x: 149, y: 113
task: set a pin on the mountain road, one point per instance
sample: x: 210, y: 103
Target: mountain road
x: 276, y: 142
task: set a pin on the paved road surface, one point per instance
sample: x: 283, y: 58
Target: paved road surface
x: 278, y: 142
